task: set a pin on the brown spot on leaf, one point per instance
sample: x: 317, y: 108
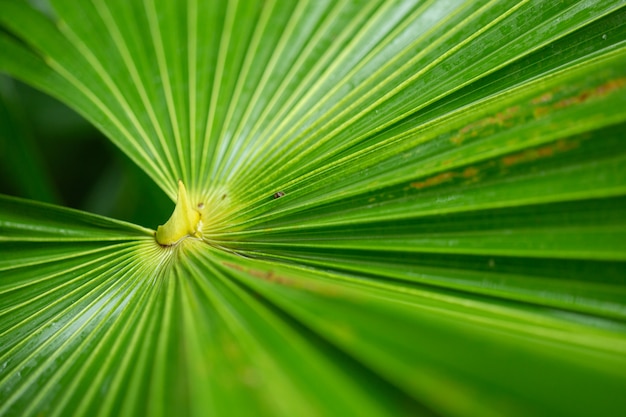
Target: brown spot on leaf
x: 596, y: 92
x: 436, y: 180
x: 501, y: 119
x: 470, y: 172
x: 271, y: 276
x: 544, y: 98
x: 541, y: 111
x: 234, y: 266
x: 533, y: 154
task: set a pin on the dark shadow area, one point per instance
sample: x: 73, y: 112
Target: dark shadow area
x: 50, y: 153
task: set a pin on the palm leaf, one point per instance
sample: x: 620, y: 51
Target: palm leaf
x: 408, y: 208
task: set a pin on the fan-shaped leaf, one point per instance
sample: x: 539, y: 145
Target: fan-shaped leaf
x: 407, y: 207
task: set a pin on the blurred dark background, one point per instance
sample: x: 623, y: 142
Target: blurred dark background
x: 50, y: 153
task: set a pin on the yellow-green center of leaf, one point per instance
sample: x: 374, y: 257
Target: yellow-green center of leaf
x: 185, y: 221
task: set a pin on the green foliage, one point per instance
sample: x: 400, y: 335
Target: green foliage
x: 408, y: 208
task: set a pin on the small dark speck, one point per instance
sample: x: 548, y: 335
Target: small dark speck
x: 223, y: 196
x: 200, y: 206
x: 279, y: 194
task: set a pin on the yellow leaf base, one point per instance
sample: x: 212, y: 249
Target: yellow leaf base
x: 185, y: 221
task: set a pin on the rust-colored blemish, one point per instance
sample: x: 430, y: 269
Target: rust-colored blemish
x: 436, y: 180
x: 456, y: 140
x: 470, y: 172
x: 501, y: 119
x: 610, y: 86
x: 544, y: 98
x: 271, y: 276
x: 473, y: 173
x: 599, y: 91
x: 541, y: 111
x: 533, y: 154
x: 234, y: 266
x: 260, y: 274
x: 545, y: 152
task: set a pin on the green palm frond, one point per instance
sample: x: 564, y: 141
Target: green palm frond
x: 407, y: 208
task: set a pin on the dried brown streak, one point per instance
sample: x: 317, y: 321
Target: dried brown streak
x: 472, y: 173
x: 544, y: 98
x: 469, y: 173
x: 270, y: 276
x: 600, y: 91
x: 501, y: 119
x: 596, y: 92
x: 504, y: 118
x: 530, y: 155
x: 436, y: 180
x: 540, y: 112
x: 233, y: 266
